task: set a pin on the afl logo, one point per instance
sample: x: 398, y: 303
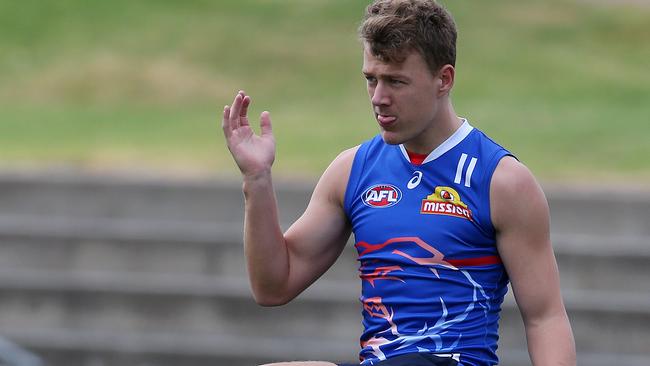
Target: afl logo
x: 381, y: 196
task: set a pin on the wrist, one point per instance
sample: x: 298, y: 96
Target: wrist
x: 257, y: 174
x: 260, y: 178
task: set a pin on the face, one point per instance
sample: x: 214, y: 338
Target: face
x: 406, y: 98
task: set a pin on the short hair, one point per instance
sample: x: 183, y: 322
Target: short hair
x: 392, y: 28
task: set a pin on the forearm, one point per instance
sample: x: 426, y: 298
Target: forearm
x: 550, y: 341
x: 264, y: 245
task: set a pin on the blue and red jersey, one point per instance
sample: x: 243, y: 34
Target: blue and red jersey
x: 432, y: 279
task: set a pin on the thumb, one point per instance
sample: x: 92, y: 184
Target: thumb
x: 265, y: 123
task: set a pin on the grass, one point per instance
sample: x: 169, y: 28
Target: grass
x: 563, y: 83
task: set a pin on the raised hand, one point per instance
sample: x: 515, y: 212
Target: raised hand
x: 253, y: 154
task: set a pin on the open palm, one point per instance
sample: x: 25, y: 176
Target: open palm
x: 253, y: 153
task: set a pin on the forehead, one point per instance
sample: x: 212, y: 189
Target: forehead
x: 413, y: 64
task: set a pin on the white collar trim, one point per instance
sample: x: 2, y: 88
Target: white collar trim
x: 451, y: 142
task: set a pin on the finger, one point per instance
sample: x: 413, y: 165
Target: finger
x: 225, y: 124
x: 243, y: 115
x: 265, y: 124
x: 235, y: 110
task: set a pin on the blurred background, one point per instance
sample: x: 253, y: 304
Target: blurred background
x: 121, y: 211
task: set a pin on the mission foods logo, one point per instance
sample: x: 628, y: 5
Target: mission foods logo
x: 381, y: 196
x: 445, y: 201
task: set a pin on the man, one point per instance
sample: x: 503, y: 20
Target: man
x: 443, y: 217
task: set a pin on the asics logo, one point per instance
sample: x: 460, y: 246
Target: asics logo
x: 415, y: 181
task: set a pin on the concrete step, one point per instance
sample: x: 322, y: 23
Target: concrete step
x: 155, y: 246
x: 578, y: 209
x: 607, y: 322
x: 83, y: 347
x: 620, y: 263
x: 83, y: 196
x: 130, y: 245
x: 600, y: 211
x: 606, y: 263
x: 120, y: 245
x: 93, y: 348
x: 83, y: 254
x: 603, y: 322
x: 162, y: 303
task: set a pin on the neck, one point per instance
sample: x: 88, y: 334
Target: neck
x: 444, y: 125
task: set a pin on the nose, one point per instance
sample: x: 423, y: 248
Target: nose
x: 380, y: 95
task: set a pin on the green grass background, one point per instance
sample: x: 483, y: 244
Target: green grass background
x: 564, y: 84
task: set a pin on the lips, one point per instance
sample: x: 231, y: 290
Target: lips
x: 385, y: 120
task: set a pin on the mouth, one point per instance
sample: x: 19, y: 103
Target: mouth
x: 385, y: 120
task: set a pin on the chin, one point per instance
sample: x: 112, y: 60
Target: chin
x: 391, y: 138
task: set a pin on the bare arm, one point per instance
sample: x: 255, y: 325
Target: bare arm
x: 521, y: 216
x: 281, y: 266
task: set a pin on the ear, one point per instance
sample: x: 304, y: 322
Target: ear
x: 447, y: 75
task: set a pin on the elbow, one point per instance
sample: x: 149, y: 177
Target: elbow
x: 270, y: 299
x: 269, y: 302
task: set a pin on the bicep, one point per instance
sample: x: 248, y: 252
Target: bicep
x: 521, y: 216
x: 318, y: 237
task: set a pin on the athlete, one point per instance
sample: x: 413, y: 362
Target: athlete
x: 443, y: 217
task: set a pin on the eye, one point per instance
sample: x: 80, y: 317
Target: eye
x: 371, y: 79
x: 396, y: 82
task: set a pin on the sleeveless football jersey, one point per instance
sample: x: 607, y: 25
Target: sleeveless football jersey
x: 432, y: 280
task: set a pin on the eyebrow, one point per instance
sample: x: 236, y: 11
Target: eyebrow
x: 386, y: 75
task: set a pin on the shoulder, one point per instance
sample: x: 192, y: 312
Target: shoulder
x: 346, y: 156
x: 512, y: 176
x: 333, y: 182
x: 516, y: 197
x: 342, y: 164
